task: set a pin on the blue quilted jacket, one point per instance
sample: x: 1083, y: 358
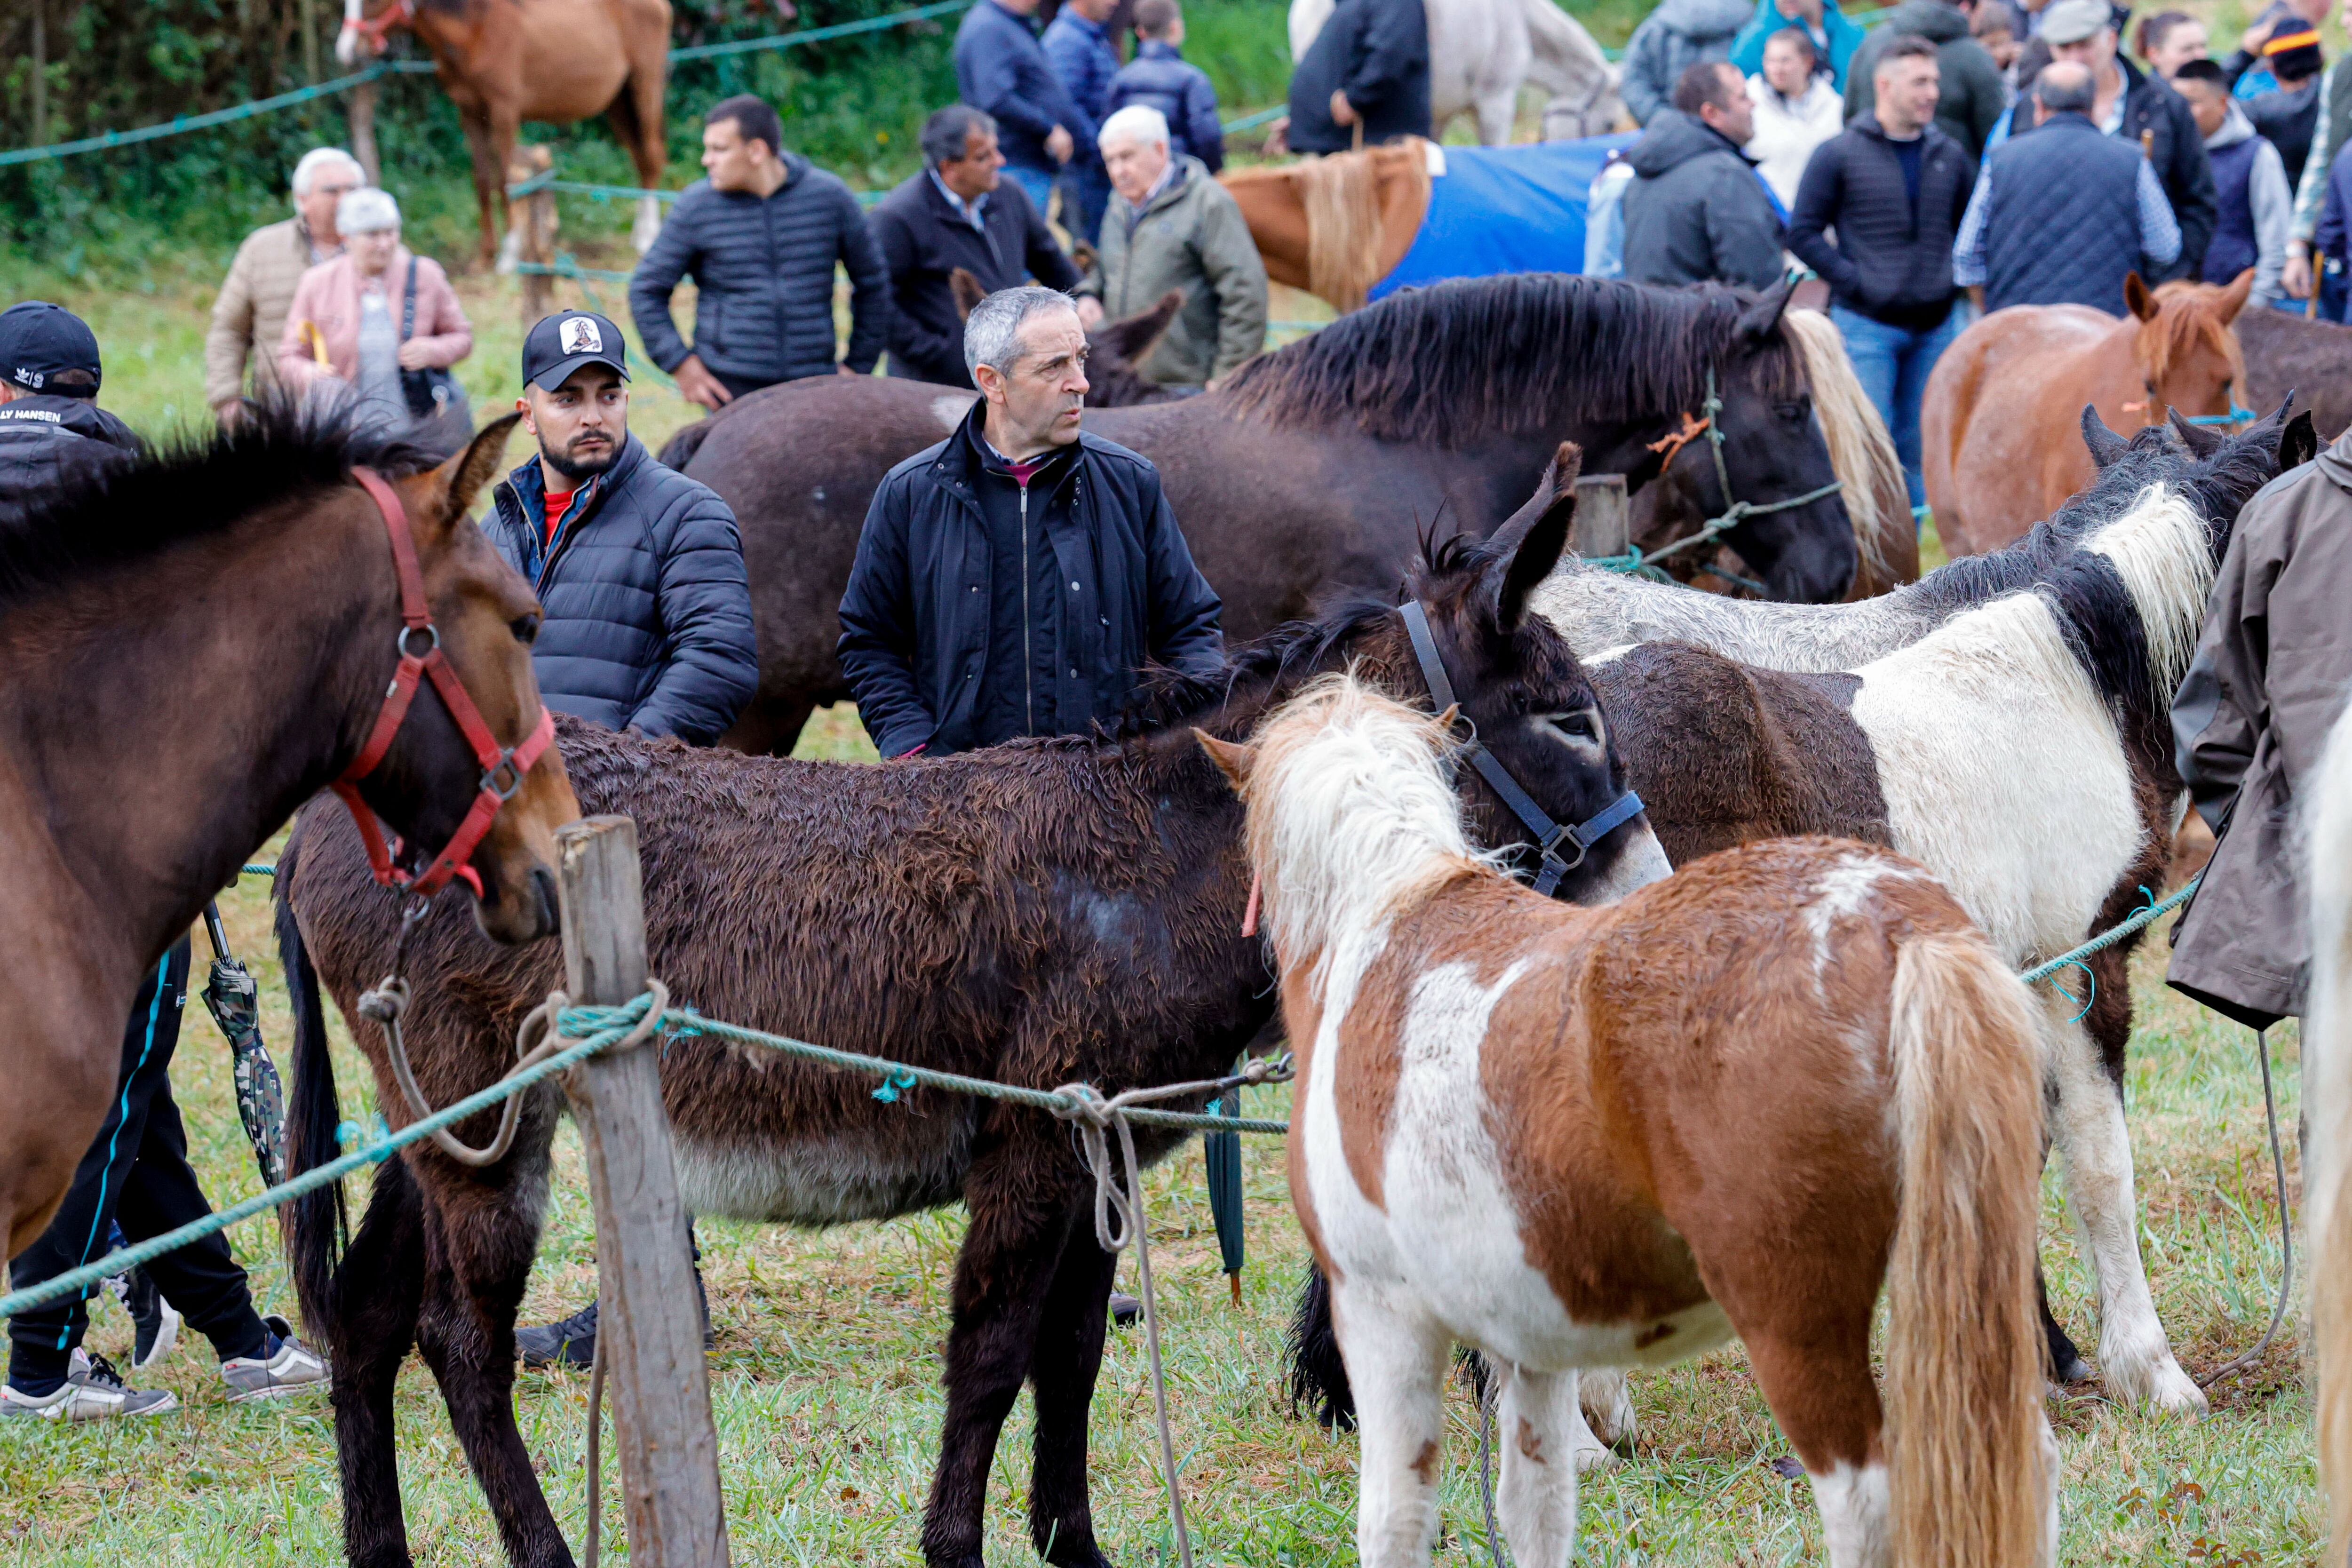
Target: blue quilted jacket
x: 647, y: 613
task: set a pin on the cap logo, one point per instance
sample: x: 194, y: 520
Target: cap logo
x: 578, y: 335
x: 32, y: 378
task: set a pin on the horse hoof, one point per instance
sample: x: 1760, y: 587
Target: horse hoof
x: 2157, y: 1383
x: 1608, y: 1410
x: 1590, y: 1458
x: 2074, y: 1372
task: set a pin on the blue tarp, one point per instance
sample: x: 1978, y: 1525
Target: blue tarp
x: 1505, y: 209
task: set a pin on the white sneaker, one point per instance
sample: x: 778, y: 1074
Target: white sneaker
x: 92, y: 1391
x: 294, y: 1366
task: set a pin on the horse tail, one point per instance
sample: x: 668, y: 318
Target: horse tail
x: 1969, y: 1481
x: 2327, y: 1045
x: 1318, y: 1377
x: 1863, y: 456
x: 680, y: 449
x: 317, y: 1223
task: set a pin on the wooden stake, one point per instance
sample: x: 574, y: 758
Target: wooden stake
x: 531, y: 220
x: 360, y: 109
x: 649, y: 1333
x: 1600, y: 526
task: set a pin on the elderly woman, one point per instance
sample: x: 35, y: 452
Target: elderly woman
x: 382, y: 325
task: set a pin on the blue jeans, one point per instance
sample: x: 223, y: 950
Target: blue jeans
x: 1892, y: 363
x: 1037, y: 184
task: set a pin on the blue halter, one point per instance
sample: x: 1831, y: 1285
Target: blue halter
x: 1549, y: 835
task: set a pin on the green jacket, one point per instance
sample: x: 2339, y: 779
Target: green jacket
x: 1190, y: 236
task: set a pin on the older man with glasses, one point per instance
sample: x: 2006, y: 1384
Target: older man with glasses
x: 250, y: 316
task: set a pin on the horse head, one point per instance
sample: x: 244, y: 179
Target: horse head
x: 2186, y: 356
x: 365, y: 23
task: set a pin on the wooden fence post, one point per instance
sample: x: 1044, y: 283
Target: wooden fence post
x: 1601, y: 527
x: 531, y: 223
x: 649, y: 1333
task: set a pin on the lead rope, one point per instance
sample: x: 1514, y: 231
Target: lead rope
x: 1488, y: 1391
x: 2239, y: 1364
x: 1710, y: 423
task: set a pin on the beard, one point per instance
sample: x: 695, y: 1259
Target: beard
x: 576, y: 468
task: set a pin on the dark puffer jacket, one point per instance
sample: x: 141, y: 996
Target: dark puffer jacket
x: 48, y: 442
x: 915, y: 622
x: 1001, y: 68
x: 763, y: 268
x: 1159, y: 77
x: 1971, y: 97
x: 647, y: 611
x: 1378, y: 52
x: 1892, y: 260
x: 1696, y: 210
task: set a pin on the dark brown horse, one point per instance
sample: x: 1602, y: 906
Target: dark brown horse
x: 195, y: 645
x: 1045, y: 911
x: 2286, y: 353
x: 1315, y: 465
x: 504, y: 61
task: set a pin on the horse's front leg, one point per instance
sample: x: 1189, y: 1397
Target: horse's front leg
x: 1396, y: 1361
x: 1540, y: 1431
x: 1021, y: 1191
x: 1062, y: 1374
x: 2135, y: 1358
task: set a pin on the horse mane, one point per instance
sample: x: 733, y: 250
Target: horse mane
x: 1341, y: 194
x: 1171, y: 697
x: 1462, y: 359
x: 2179, y: 326
x: 198, y: 484
x: 1862, y: 452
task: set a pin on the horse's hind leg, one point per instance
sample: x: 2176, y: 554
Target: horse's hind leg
x: 1600, y: 1393
x: 1062, y: 1374
x: 1396, y: 1362
x: 1815, y: 1374
x: 1538, y: 1429
x: 376, y: 1292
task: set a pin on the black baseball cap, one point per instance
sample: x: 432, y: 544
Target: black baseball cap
x: 40, y: 342
x: 564, y: 342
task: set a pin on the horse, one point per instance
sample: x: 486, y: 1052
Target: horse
x: 1993, y: 451
x: 2327, y: 1079
x: 2030, y: 687
x: 1312, y: 466
x: 1481, y: 51
x: 159, y: 727
x: 2288, y: 354
x: 1739, y: 1102
x: 1113, y: 348
x: 1040, y: 912
x: 504, y: 61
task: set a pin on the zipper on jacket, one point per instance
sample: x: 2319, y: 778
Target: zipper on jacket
x: 1028, y: 654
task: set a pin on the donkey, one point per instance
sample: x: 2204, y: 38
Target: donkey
x: 126, y: 614
x: 1113, y: 348
x: 1738, y: 1102
x: 2030, y: 689
x: 1041, y: 912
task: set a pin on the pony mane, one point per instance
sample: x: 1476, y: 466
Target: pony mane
x: 1859, y: 448
x: 1171, y: 697
x: 1341, y: 196
x: 2180, y: 326
x: 198, y: 484
x: 1467, y: 358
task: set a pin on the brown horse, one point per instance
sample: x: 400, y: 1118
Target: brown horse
x: 504, y: 61
x: 1739, y: 1102
x: 1036, y: 914
x: 160, y: 723
x: 1337, y: 224
x: 1997, y: 431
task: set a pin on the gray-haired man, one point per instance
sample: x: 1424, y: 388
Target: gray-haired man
x: 250, y: 316
x: 1015, y: 579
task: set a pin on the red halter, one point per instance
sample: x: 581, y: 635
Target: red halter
x: 376, y: 27
x: 416, y: 620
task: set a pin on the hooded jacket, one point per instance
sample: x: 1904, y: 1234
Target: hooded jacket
x: 1892, y: 260
x: 1971, y: 97
x: 1696, y: 210
x: 1377, y: 51
x: 1671, y: 39
x: 1787, y: 129
x: 1192, y: 237
x: 1840, y: 35
x: 2254, y: 206
x: 47, y: 442
x: 2249, y: 725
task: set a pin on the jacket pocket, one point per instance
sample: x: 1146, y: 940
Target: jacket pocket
x: 708, y: 334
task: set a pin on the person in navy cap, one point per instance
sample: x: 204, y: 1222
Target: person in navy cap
x: 51, y: 426
x: 639, y: 570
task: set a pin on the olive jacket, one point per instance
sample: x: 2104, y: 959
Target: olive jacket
x: 1191, y: 235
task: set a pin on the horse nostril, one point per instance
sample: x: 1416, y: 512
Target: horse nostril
x: 542, y: 886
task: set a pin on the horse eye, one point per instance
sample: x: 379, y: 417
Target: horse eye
x: 525, y: 628
x: 1790, y: 411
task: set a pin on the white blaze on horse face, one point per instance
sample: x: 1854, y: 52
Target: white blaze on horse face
x: 1853, y: 1516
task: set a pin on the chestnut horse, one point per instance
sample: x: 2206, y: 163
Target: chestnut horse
x: 1737, y: 1102
x: 160, y: 724
x: 504, y: 61
x: 1997, y: 431
x: 1337, y: 224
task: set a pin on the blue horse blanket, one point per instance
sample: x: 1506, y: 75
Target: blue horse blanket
x: 1505, y: 209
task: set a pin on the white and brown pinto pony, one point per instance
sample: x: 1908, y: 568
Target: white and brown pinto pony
x: 1739, y: 1102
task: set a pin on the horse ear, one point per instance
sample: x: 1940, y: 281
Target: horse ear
x: 1539, y: 544
x: 2298, y: 443
x: 477, y: 465
x: 968, y: 290
x: 2138, y: 298
x: 1233, y: 758
x: 2201, y: 440
x: 1760, y: 320
x: 1135, y: 337
x: 2105, y: 444
x: 2234, y: 298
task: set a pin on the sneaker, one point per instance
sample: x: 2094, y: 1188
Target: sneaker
x: 570, y: 1341
x: 284, y: 1365
x: 155, y: 1326
x: 92, y: 1391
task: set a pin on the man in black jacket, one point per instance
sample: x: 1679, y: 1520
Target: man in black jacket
x: 2142, y: 109
x: 959, y: 212
x: 760, y: 236
x: 1015, y: 579
x: 1696, y: 209
x: 645, y: 609
x: 51, y: 427
x: 1367, y: 72
x: 1894, y: 186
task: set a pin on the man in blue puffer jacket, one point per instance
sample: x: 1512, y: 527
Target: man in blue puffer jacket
x: 1002, y: 71
x: 1159, y: 77
x: 646, y: 610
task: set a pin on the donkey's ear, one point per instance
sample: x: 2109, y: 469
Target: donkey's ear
x: 2105, y: 444
x: 2299, y: 443
x: 1558, y: 484
x: 1537, y: 551
x: 1233, y: 758
x: 968, y: 290
x: 2200, y: 439
x: 2138, y: 297
x: 1761, y: 318
x: 477, y: 465
x: 1135, y: 336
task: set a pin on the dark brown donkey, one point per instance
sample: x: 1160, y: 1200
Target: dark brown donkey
x: 1042, y: 912
x: 196, y: 643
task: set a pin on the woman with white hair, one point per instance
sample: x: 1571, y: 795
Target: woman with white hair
x: 249, y: 315
x: 381, y: 326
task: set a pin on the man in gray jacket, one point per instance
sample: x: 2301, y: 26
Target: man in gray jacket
x: 1171, y: 225
x: 1671, y: 39
x: 1696, y: 210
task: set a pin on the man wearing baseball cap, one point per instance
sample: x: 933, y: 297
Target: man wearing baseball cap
x: 639, y: 570
x: 50, y: 424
